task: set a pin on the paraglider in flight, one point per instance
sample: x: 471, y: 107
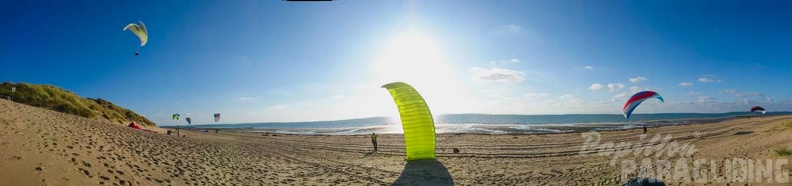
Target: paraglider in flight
x: 140, y: 32
x: 189, y: 121
x: 175, y: 116
x: 217, y: 117
x: 758, y: 108
x: 416, y: 119
x: 636, y: 100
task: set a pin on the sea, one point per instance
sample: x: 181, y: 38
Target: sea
x: 486, y: 123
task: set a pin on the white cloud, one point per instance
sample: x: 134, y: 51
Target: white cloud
x: 534, y: 95
x: 706, y: 99
x: 508, y: 30
x: 636, y: 89
x: 510, y: 61
x: 685, y: 84
x: 570, y: 100
x: 245, y: 98
x: 615, y: 86
x: 278, y: 107
x: 588, y: 67
x: 497, y: 75
x: 566, y: 96
x: 620, y: 97
x: 595, y: 86
x: 709, y: 79
x: 749, y: 94
x: 729, y: 91
x: 637, y: 79
x: 737, y: 93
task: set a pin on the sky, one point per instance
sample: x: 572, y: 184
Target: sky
x: 278, y: 61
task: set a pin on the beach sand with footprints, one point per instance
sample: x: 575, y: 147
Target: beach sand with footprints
x: 43, y: 147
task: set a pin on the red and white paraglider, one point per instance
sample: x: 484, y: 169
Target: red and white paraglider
x: 636, y: 99
x: 757, y: 108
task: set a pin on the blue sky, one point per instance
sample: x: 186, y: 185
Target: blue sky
x: 261, y: 61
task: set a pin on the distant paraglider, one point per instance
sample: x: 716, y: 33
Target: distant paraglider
x: 636, y: 99
x: 175, y: 116
x: 758, y: 108
x: 140, y: 32
x: 189, y: 121
x: 416, y: 119
x: 216, y: 117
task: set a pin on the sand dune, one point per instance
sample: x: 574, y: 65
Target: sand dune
x: 42, y: 147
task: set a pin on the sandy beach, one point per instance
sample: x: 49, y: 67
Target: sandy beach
x: 42, y: 147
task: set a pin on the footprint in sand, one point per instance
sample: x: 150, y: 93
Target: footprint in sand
x: 86, y: 172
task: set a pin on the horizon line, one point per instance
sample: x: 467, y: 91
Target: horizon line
x: 339, y: 120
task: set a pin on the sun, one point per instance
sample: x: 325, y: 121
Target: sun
x: 409, y: 57
x: 417, y: 59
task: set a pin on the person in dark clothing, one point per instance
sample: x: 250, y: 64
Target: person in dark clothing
x: 374, y: 141
x: 644, y: 127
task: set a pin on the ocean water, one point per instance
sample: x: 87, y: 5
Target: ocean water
x: 488, y: 124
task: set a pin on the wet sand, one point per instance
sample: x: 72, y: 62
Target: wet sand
x: 42, y: 147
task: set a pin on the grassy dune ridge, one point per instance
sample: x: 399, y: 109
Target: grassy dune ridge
x: 61, y: 100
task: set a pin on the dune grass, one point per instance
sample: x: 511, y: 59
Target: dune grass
x: 783, y: 151
x: 61, y: 100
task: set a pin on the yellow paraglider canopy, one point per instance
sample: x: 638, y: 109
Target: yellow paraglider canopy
x: 138, y: 30
x: 417, y: 121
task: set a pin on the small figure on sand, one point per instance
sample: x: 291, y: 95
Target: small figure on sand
x: 374, y: 140
x: 644, y: 127
x: 217, y: 130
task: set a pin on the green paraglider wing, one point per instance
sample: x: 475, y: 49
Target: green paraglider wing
x: 138, y: 30
x: 417, y: 122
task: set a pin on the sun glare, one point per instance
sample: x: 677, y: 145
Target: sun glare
x: 409, y: 57
x: 416, y: 59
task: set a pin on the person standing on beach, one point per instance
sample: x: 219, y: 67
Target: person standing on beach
x: 644, y: 129
x: 374, y: 140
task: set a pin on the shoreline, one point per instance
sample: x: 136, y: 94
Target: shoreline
x: 477, y: 128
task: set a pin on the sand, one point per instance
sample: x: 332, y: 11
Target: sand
x: 42, y: 147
